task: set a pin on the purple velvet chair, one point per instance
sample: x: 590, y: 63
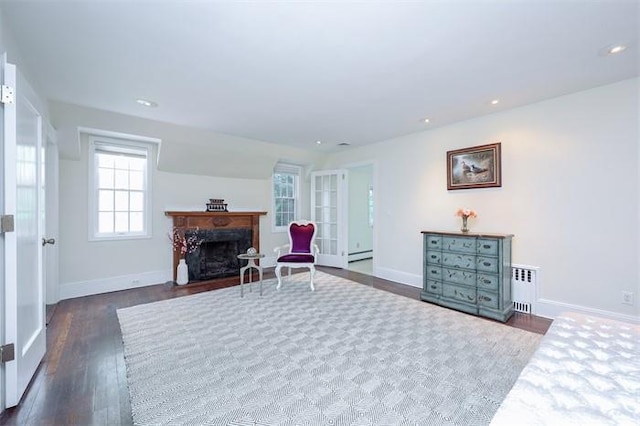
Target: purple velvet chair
x: 302, y: 252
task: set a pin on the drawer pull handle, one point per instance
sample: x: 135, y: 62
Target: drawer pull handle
x: 487, y: 264
x: 485, y: 298
x: 434, y: 242
x: 487, y: 246
x: 433, y: 256
x: 487, y: 281
x: 434, y: 287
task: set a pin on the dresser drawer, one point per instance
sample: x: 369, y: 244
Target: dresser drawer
x: 488, y: 299
x: 463, y: 294
x: 458, y: 260
x: 488, y: 282
x: 434, y: 257
x: 488, y: 264
x: 459, y: 244
x: 459, y: 276
x: 433, y: 272
x: 489, y: 247
x: 433, y: 242
x: 434, y: 287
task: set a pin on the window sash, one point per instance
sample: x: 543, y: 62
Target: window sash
x: 120, y: 192
x: 286, y: 195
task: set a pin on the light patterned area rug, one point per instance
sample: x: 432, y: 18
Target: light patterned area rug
x: 346, y: 354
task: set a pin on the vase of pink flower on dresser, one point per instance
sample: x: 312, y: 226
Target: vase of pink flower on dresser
x: 465, y: 214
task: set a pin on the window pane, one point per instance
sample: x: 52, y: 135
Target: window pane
x: 136, y: 180
x: 105, y: 222
x: 121, y: 201
x: 106, y: 160
x: 135, y: 222
x: 137, y: 163
x: 122, y: 162
x: 105, y: 200
x: 122, y: 179
x: 136, y: 201
x: 121, y: 222
x: 105, y: 178
x: 334, y: 247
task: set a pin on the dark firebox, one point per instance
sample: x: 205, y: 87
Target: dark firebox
x: 217, y: 255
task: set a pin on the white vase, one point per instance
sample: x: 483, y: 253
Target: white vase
x: 182, y: 273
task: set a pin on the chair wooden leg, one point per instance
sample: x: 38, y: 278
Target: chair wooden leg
x: 279, y: 276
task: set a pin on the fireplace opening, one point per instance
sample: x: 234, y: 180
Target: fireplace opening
x: 217, y: 256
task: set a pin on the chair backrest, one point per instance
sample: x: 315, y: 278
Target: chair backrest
x: 301, y: 236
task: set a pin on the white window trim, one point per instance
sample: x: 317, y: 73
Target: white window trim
x: 138, y: 145
x: 291, y: 169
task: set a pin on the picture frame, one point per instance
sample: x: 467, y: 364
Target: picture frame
x: 474, y: 167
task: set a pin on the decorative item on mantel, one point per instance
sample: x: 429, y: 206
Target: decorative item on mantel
x: 216, y: 205
x: 466, y: 214
x: 184, y: 245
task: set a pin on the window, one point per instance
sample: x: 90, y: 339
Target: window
x: 120, y: 189
x: 285, y: 195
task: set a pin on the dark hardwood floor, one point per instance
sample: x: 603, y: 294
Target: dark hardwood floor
x: 82, y: 378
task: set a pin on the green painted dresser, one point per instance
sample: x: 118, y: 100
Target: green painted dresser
x: 468, y: 272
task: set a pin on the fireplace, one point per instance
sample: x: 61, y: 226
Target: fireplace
x: 224, y: 235
x: 217, y: 256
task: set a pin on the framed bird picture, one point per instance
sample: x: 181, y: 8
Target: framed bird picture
x: 475, y: 167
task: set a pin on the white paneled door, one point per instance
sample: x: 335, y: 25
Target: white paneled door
x: 24, y: 307
x: 328, y: 196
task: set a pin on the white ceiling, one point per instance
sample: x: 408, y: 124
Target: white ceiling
x: 293, y: 72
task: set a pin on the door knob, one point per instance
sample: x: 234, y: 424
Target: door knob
x: 48, y: 241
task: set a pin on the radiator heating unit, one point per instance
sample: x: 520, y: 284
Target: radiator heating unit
x: 523, y: 285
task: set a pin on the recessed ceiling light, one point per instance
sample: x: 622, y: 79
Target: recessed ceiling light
x: 426, y: 120
x: 148, y: 104
x: 495, y: 102
x: 616, y: 49
x: 318, y: 142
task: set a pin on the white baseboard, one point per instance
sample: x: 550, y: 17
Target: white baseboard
x: 106, y: 285
x: 360, y: 256
x: 551, y: 309
x: 413, y: 280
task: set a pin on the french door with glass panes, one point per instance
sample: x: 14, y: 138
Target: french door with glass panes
x: 21, y: 174
x: 328, y: 196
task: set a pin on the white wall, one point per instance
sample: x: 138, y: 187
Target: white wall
x: 570, y: 194
x: 88, y: 267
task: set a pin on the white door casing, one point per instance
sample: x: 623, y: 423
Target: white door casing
x: 328, y: 208
x: 24, y: 309
x: 50, y: 231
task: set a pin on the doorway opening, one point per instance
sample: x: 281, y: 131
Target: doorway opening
x: 361, y: 219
